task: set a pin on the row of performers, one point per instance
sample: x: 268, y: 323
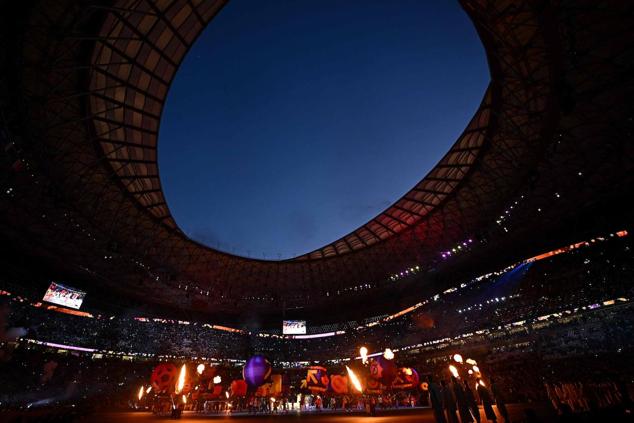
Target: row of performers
x: 380, y: 375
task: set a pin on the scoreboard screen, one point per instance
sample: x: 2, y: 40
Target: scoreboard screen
x: 64, y: 295
x: 294, y: 327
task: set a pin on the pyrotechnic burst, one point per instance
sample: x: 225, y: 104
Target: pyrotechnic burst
x: 354, y: 379
x: 453, y: 370
x: 181, y: 379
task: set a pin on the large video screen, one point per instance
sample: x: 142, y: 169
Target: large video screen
x: 64, y: 296
x: 294, y: 327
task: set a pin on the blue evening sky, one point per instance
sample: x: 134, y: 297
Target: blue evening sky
x: 291, y: 123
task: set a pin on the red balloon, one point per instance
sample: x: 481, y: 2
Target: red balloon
x: 339, y: 384
x: 164, y: 377
x: 238, y: 388
x: 217, y: 391
x: 373, y: 386
x: 208, y: 373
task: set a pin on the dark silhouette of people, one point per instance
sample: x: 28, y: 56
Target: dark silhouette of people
x: 471, y: 401
x: 565, y: 413
x: 499, y: 401
x: 436, y: 400
x: 449, y: 402
x: 487, y: 401
x: 373, y: 406
x: 461, y: 400
x: 531, y: 416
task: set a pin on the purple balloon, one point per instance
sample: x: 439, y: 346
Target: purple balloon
x: 383, y: 370
x: 256, y: 371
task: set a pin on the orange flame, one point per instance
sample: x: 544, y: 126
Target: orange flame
x: 388, y: 354
x: 354, y: 379
x: 453, y: 370
x: 141, y: 390
x: 181, y: 379
x: 363, y: 351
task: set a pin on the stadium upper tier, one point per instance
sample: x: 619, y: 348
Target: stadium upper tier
x: 547, y: 152
x: 548, y: 290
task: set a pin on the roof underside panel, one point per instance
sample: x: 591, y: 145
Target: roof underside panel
x: 429, y: 193
x: 95, y: 78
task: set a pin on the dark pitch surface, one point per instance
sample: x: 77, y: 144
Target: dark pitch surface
x: 404, y: 416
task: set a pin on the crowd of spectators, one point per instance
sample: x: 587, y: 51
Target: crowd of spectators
x: 548, y: 330
x: 568, y: 283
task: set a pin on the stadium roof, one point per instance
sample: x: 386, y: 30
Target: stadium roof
x: 83, y: 103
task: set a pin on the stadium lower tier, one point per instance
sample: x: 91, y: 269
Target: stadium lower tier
x: 520, y: 300
x: 554, y: 331
x: 584, y: 361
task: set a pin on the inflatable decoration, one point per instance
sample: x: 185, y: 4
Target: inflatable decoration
x: 317, y: 379
x: 383, y: 370
x: 216, y: 392
x: 264, y: 390
x: 238, y: 388
x: 286, y: 384
x: 256, y: 371
x: 339, y: 384
x: 187, y: 387
x: 372, y: 386
x: 164, y: 377
x: 406, y: 378
x: 276, y: 384
x: 208, y: 373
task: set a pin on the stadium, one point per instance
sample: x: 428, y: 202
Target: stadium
x: 500, y: 283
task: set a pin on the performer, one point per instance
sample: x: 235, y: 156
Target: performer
x: 463, y: 406
x: 449, y: 402
x: 372, y: 406
x: 499, y: 401
x: 487, y: 401
x: 471, y: 401
x: 435, y: 398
